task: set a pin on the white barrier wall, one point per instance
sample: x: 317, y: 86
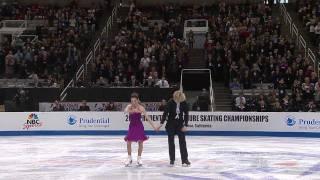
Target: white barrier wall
x: 203, y: 123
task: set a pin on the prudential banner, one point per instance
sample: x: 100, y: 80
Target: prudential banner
x: 198, y: 121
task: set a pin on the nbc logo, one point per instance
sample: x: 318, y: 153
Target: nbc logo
x: 32, y: 121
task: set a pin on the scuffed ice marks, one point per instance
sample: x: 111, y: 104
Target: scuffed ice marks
x: 102, y: 157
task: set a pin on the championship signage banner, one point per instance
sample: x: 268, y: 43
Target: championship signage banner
x: 95, y: 106
x: 198, y: 122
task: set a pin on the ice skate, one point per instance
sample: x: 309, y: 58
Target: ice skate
x: 128, y: 162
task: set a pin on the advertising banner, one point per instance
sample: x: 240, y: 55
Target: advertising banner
x: 207, y: 123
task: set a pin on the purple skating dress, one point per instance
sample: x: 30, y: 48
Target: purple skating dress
x: 136, y: 129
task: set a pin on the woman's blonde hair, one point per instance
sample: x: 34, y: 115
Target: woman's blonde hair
x: 179, y: 96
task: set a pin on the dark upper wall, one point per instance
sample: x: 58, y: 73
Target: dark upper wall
x: 88, y: 3
x: 191, y: 2
x: 196, y: 2
x: 82, y: 3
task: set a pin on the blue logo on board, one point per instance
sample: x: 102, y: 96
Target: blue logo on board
x: 290, y: 121
x: 72, y: 120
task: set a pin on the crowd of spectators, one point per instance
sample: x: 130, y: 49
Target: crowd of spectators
x: 272, y: 103
x: 144, y: 52
x: 55, y: 54
x: 103, y: 106
x: 309, y: 13
x: 83, y: 106
x: 245, y: 47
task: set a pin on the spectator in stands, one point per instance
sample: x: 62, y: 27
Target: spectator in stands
x: 58, y: 106
x: 133, y: 81
x: 281, y: 88
x: 195, y: 105
x: 145, y: 61
x: 270, y: 2
x: 262, y: 106
x: 276, y: 107
x: 317, y: 91
x: 311, y: 107
x: 285, y: 103
x: 163, y: 83
x: 235, y: 84
x: 240, y: 103
x: 312, y: 32
x: 297, y: 103
x: 307, y: 89
x: 35, y: 79
x: 313, y: 77
x: 22, y: 100
x: 10, y: 65
x: 191, y: 39
x: 80, y: 83
x: 149, y: 82
x: 204, y: 100
x: 110, y: 106
x: 117, y: 82
x: 162, y: 105
x: 101, y: 81
x: 317, y: 32
x: 246, y: 81
x: 272, y: 98
x: 2, y: 61
x: 251, y: 104
x: 83, y: 106
x: 234, y: 70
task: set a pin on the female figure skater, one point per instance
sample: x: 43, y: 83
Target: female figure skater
x: 136, y: 129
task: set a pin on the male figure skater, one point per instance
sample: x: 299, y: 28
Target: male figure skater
x: 176, y: 113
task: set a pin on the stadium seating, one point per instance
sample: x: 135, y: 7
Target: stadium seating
x: 246, y: 48
x: 52, y: 43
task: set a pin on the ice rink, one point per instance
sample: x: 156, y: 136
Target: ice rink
x: 102, y: 158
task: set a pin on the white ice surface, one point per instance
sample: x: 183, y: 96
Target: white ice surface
x: 102, y: 158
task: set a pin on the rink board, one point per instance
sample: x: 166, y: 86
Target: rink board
x: 200, y: 123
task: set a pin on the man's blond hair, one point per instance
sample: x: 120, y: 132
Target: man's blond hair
x: 179, y: 96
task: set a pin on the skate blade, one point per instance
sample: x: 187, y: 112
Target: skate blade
x: 128, y: 165
x: 185, y: 165
x: 139, y: 165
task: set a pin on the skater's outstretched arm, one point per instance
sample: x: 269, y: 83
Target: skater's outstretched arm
x: 144, y: 112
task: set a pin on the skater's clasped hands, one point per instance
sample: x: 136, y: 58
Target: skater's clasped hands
x: 158, y: 128
x: 184, y: 129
